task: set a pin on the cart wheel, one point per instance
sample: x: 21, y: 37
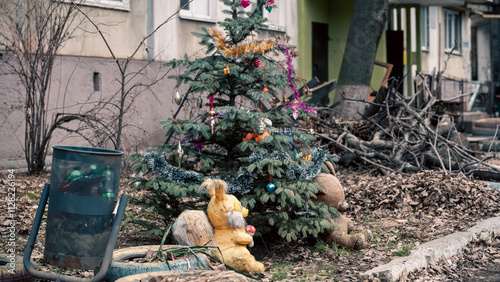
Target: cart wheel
x: 12, y: 270
x: 119, y: 268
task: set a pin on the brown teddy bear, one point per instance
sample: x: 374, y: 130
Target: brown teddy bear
x: 333, y: 195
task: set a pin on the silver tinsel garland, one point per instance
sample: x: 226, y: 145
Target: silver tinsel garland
x: 243, y: 181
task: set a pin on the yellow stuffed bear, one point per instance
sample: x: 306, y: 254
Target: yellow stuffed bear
x: 226, y: 215
x: 227, y: 228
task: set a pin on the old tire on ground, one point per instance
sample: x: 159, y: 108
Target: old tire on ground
x: 184, y: 276
x: 119, y: 269
x: 9, y: 272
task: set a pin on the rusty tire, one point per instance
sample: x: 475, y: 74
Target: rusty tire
x: 11, y: 271
x: 119, y: 269
x: 190, y: 275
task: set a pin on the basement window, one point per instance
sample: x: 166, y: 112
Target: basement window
x: 96, y: 79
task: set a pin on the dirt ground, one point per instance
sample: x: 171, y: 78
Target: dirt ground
x: 402, y: 211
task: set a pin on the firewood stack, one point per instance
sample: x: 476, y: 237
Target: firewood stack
x: 394, y: 135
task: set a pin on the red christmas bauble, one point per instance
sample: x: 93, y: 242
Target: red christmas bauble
x: 250, y: 229
x: 256, y: 63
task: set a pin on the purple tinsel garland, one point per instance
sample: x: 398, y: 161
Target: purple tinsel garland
x: 301, y: 104
x: 199, y: 145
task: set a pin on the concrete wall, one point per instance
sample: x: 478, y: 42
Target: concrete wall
x: 72, y: 92
x: 72, y: 88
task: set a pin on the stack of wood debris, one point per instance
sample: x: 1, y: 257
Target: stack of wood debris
x: 395, y: 135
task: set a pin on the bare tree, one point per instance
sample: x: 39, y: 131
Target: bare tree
x: 33, y: 31
x: 111, y: 128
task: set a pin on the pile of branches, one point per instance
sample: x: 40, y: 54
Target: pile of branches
x: 394, y: 135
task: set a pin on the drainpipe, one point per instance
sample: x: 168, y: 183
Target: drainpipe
x: 150, y: 27
x: 495, y: 52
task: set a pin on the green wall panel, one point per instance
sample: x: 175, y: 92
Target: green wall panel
x: 337, y: 14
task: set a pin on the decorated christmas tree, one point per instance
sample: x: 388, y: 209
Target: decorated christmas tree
x: 250, y: 135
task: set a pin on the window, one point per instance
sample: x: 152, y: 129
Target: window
x: 424, y: 21
x: 276, y: 18
x: 109, y: 4
x: 198, y: 10
x: 452, y: 31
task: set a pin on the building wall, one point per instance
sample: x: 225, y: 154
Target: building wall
x: 124, y: 30
x: 71, y: 88
x: 337, y: 14
x: 483, y: 53
x: 458, y: 66
x: 72, y: 91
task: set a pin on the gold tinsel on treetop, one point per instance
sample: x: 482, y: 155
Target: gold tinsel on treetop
x: 236, y: 51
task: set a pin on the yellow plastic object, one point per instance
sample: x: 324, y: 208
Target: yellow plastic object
x: 226, y: 215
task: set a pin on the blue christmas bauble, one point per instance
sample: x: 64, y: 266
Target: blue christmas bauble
x: 270, y: 187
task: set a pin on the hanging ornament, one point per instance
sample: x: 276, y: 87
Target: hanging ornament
x: 245, y: 3
x: 226, y: 70
x: 306, y: 90
x: 291, y: 142
x: 265, y: 85
x: 265, y: 89
x: 262, y: 125
x: 269, y: 5
x: 212, y: 115
x: 307, y: 157
x: 270, y: 187
x: 256, y: 63
x: 284, y: 100
x: 295, y: 105
x: 273, y: 103
x: 180, y: 152
x: 177, y: 97
x: 199, y: 102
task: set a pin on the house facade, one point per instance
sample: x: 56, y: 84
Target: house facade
x: 84, y: 71
x: 454, y: 37
x: 326, y: 23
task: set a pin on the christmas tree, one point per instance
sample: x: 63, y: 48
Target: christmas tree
x: 262, y: 154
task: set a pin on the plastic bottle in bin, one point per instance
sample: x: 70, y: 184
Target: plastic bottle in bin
x: 92, y: 171
x: 108, y: 182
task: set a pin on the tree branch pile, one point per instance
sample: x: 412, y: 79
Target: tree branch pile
x: 395, y: 136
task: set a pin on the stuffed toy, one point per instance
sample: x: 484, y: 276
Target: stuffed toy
x: 192, y: 228
x: 333, y: 195
x: 226, y: 216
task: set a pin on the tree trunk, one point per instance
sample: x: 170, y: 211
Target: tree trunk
x: 367, y: 24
